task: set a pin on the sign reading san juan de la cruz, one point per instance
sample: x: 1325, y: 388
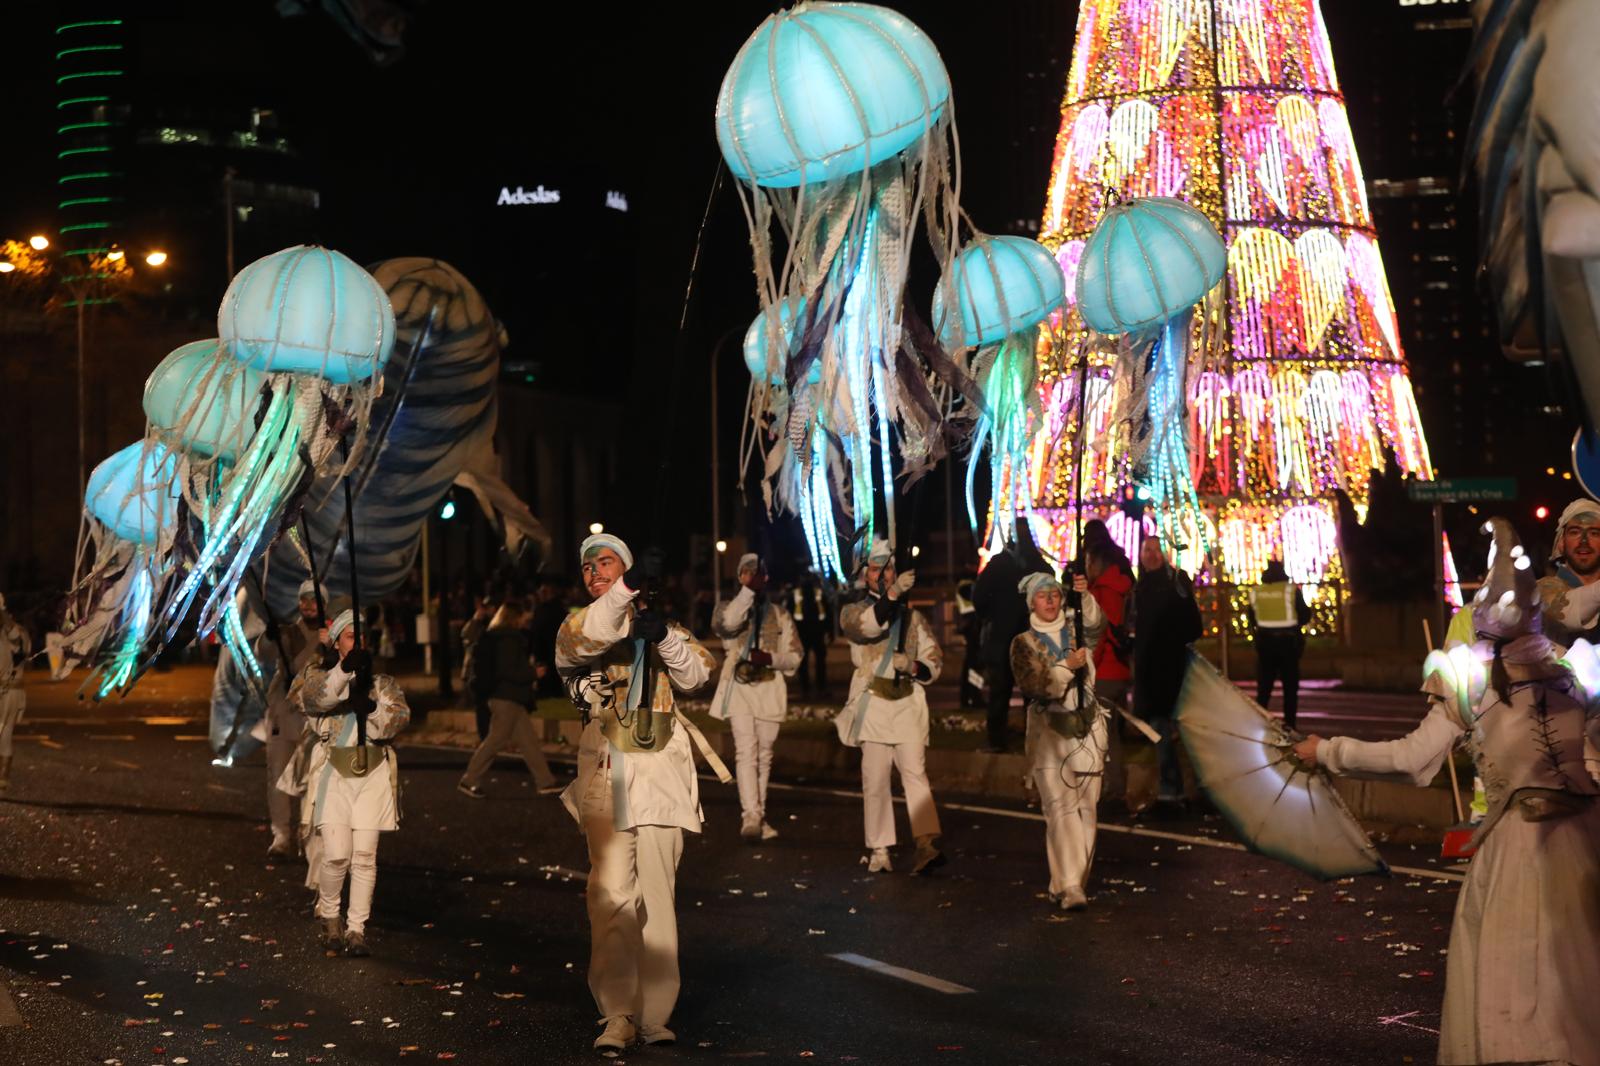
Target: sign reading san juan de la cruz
x: 1463, y: 490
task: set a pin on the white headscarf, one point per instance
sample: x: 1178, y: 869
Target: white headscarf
x: 309, y: 589
x: 1034, y: 584
x: 597, y: 541
x: 343, y: 622
x: 749, y: 561
x: 1576, y: 509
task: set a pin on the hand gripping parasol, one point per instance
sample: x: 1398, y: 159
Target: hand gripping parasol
x: 1242, y: 759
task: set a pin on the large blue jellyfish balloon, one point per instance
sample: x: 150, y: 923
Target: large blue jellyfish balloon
x: 836, y: 120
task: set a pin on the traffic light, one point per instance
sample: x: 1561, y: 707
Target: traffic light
x: 1541, y: 512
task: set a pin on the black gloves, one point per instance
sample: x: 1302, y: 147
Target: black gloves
x: 330, y: 657
x: 647, y: 570
x: 920, y: 672
x: 649, y: 626
x: 271, y: 631
x: 357, y: 661
x: 883, y: 609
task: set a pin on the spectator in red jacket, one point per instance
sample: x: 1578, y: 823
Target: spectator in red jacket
x: 1111, y: 583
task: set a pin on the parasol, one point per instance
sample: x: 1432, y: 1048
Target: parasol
x: 1242, y: 759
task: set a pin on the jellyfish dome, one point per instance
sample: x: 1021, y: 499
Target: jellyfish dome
x: 755, y: 344
x: 824, y: 90
x: 308, y: 310
x: 135, y: 492
x: 1149, y: 259
x: 208, y: 401
x: 1001, y: 286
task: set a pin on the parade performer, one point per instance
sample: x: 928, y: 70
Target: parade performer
x: 886, y: 714
x: 1067, y: 726
x: 761, y: 651
x: 1571, y: 598
x: 636, y: 791
x: 15, y: 646
x: 291, y: 647
x: 1522, y: 967
x: 352, y: 791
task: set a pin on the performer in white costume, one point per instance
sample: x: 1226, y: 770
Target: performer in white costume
x: 352, y: 791
x: 636, y: 791
x: 1067, y: 726
x: 15, y: 646
x: 886, y: 714
x: 761, y: 651
x: 1523, y: 966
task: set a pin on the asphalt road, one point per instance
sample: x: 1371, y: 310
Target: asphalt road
x: 139, y: 925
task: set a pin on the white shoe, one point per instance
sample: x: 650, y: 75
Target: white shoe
x: 750, y: 829
x: 657, y: 1034
x: 619, y: 1033
x: 767, y: 832
x: 878, y: 861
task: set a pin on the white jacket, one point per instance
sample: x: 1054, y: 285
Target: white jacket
x: 767, y: 700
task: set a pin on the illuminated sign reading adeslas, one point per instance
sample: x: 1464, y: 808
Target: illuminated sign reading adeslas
x: 521, y: 196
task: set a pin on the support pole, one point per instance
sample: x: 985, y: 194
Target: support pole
x: 1438, y: 568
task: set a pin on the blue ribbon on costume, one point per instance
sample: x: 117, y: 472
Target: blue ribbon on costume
x: 866, y: 693
x: 619, y: 774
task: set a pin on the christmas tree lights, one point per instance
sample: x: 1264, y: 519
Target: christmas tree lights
x: 1234, y: 107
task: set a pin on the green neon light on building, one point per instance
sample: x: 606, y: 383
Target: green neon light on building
x: 87, y: 175
x: 84, y: 126
x: 88, y: 200
x: 85, y: 225
x: 90, y: 74
x: 84, y: 100
x: 83, y: 151
x: 81, y: 25
x: 88, y: 48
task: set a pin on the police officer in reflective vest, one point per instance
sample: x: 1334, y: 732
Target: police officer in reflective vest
x: 1279, y: 612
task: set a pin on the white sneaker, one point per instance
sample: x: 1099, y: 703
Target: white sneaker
x: 657, y: 1034
x: 619, y: 1033
x: 878, y: 861
x: 767, y: 832
x: 750, y: 829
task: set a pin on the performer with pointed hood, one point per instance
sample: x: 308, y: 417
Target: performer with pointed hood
x: 1523, y: 965
x: 15, y: 646
x: 1067, y: 726
x: 636, y: 792
x: 886, y: 713
x: 1571, y: 598
x: 290, y: 647
x: 352, y: 790
x: 761, y: 650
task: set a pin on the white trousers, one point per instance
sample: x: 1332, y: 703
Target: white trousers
x: 878, y: 804
x: 12, y: 702
x: 752, y: 750
x: 633, y: 924
x: 353, y: 852
x: 1069, y: 794
x: 289, y: 725
x: 510, y: 723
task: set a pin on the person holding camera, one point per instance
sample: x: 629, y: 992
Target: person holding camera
x: 352, y: 788
x: 886, y: 714
x: 761, y: 650
x: 1067, y: 727
x: 636, y: 791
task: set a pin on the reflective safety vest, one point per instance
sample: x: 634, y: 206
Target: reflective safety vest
x: 1274, y: 605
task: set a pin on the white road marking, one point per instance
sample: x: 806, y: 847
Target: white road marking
x: 938, y: 985
x: 1032, y: 816
x: 1106, y: 827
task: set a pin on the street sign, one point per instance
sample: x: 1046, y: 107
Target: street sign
x: 1463, y: 489
x: 1586, y: 461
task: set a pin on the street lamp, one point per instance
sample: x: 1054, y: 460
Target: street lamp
x: 156, y: 259
x: 38, y: 242
x: 722, y: 546
x: 7, y: 267
x: 596, y: 528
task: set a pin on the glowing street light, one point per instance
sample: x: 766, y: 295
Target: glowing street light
x: 916, y: 550
x: 6, y: 268
x: 722, y: 546
x: 596, y: 527
x: 156, y: 259
x: 116, y: 255
x: 39, y: 242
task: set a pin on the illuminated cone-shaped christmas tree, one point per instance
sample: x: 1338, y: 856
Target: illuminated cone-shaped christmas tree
x: 1234, y: 107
